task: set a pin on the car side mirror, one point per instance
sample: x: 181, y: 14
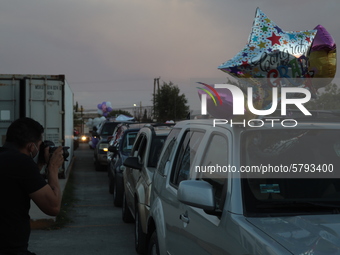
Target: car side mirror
x: 198, y: 194
x: 112, y: 149
x: 133, y: 162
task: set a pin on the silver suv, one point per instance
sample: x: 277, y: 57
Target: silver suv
x: 137, y: 176
x: 247, y: 190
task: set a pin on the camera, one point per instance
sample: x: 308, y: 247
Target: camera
x: 52, y: 149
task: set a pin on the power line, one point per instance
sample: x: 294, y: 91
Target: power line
x: 106, y: 90
x: 111, y: 81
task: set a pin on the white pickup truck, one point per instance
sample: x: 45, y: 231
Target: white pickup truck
x: 241, y: 190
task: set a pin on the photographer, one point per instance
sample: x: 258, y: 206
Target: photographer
x: 21, y: 181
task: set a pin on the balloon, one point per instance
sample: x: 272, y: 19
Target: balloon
x: 108, y: 104
x: 104, y: 106
x: 97, y: 121
x: 323, y: 40
x: 89, y: 123
x: 272, y: 52
x: 322, y: 60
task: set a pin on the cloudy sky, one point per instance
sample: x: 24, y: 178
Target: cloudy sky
x: 111, y: 50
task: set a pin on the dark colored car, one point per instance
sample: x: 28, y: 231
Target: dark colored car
x: 120, y: 149
x: 100, y: 151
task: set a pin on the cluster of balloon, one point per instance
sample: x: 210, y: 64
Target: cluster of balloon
x: 104, y: 108
x: 95, y: 122
x: 276, y: 58
x: 92, y: 124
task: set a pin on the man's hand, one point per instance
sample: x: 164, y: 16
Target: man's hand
x: 48, y: 198
x: 56, y: 160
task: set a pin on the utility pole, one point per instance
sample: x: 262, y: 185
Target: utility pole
x: 82, y: 118
x: 155, y: 84
x: 140, y: 111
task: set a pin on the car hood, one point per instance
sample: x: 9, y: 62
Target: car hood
x: 310, y: 234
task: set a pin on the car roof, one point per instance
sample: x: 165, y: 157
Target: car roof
x: 157, y: 130
x: 131, y: 130
x: 162, y: 132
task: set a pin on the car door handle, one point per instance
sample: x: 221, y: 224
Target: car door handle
x: 184, y: 218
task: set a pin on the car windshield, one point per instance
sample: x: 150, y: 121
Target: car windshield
x: 291, y: 171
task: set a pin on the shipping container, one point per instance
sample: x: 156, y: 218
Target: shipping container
x: 46, y: 98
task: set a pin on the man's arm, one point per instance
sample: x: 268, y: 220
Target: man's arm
x: 48, y: 198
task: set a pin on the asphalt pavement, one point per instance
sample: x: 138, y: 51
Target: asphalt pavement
x: 96, y: 226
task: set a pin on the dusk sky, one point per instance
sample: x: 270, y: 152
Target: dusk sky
x: 111, y: 50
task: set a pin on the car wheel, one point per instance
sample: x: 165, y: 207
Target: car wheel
x: 140, y: 236
x: 153, y: 248
x: 126, y: 214
x: 117, y: 193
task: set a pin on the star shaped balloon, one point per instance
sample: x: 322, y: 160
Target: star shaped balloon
x: 276, y: 58
x: 272, y: 53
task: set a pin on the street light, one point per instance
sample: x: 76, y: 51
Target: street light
x: 135, y: 113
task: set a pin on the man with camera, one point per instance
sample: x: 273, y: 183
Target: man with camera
x: 21, y: 181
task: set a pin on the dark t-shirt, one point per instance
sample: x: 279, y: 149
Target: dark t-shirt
x: 19, y: 176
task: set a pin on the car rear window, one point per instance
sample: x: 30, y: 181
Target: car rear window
x: 108, y: 128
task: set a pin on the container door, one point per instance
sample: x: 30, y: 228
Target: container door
x: 9, y: 105
x: 44, y: 104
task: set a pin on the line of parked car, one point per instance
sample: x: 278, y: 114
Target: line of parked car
x: 167, y: 182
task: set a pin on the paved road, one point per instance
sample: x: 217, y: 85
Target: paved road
x: 96, y: 226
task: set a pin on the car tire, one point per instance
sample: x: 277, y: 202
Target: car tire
x: 126, y: 214
x: 140, y: 236
x: 153, y: 248
x: 117, y: 193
